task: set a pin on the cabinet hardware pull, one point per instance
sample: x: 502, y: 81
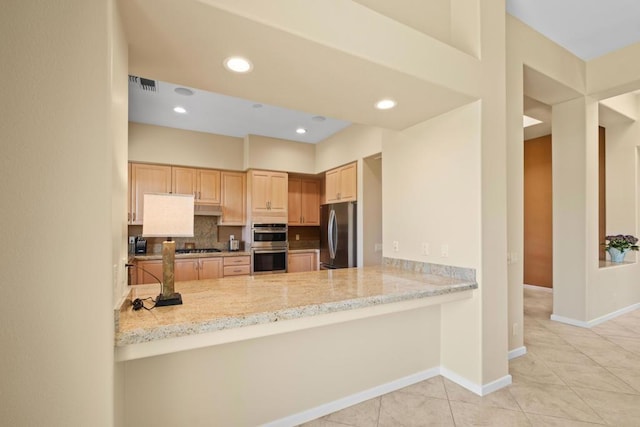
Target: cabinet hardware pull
x: 199, y: 195
x: 134, y: 216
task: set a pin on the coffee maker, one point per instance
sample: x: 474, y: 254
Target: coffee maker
x: 140, y: 245
x: 234, y: 245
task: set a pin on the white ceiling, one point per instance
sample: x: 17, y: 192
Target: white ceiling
x: 225, y: 115
x: 295, y: 73
x: 586, y: 28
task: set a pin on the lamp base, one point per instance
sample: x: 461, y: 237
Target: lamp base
x: 172, y: 299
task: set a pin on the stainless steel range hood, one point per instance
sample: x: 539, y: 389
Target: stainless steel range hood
x: 207, y: 210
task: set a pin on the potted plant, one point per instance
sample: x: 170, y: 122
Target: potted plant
x: 619, y: 245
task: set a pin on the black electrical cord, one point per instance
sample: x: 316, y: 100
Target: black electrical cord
x: 138, y: 303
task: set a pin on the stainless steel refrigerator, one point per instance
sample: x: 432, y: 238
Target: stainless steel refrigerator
x: 338, y: 242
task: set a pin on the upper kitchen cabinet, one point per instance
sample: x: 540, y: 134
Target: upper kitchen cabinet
x: 146, y: 179
x: 304, y: 201
x: 341, y: 184
x: 204, y: 184
x: 268, y: 194
x: 234, y: 196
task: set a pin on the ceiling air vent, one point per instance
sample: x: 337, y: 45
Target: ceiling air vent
x: 144, y: 84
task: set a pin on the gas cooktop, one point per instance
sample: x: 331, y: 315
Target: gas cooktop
x: 197, y: 251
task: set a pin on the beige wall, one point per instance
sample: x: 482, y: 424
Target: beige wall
x: 256, y: 381
x: 157, y: 144
x: 371, y: 203
x: 561, y: 76
x: 279, y: 154
x: 352, y: 143
x: 58, y: 160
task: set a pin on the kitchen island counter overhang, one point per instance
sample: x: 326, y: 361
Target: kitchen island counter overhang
x: 220, y: 311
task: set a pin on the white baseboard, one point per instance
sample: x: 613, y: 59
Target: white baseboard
x: 597, y: 320
x: 538, y: 288
x: 517, y: 352
x: 345, y: 402
x: 480, y: 390
x: 354, y: 399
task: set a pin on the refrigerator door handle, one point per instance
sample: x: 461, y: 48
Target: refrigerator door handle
x: 332, y: 235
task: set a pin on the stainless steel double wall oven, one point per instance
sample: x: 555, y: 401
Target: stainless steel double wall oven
x: 269, y: 248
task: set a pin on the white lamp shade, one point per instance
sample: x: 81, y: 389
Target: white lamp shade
x: 167, y: 215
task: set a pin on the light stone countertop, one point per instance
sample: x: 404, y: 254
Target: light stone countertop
x: 148, y: 257
x: 236, y: 302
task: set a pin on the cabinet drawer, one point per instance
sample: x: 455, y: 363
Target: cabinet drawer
x: 237, y: 260
x: 236, y: 270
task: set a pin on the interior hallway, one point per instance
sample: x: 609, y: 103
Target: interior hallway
x: 569, y: 377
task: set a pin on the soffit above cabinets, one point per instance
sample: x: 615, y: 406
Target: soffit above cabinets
x: 185, y: 42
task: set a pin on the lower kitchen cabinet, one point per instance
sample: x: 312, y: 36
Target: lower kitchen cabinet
x: 145, y: 270
x: 305, y: 261
x: 185, y: 269
x: 237, y: 265
x: 210, y: 268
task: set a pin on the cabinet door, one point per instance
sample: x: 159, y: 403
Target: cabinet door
x: 332, y: 182
x: 310, y: 202
x: 186, y: 269
x: 210, y: 268
x: 143, y: 268
x: 295, y: 202
x: 260, y: 182
x: 278, y: 194
x: 348, y: 181
x: 208, y: 187
x: 147, y: 179
x: 184, y: 181
x: 129, y: 216
x: 233, y: 198
x: 301, y: 262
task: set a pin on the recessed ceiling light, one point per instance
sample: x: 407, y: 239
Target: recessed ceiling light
x: 318, y: 118
x: 183, y: 91
x: 301, y: 131
x: 257, y: 105
x: 238, y: 64
x: 385, y: 104
x: 529, y: 121
x: 180, y: 110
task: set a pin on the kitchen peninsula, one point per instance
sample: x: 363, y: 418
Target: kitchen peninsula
x: 229, y: 305
x: 320, y: 341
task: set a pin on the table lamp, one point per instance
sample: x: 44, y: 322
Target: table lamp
x: 168, y: 215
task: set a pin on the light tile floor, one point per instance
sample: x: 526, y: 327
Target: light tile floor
x: 569, y: 377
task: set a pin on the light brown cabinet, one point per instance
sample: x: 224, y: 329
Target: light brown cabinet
x: 237, y: 265
x: 146, y: 179
x: 234, y: 196
x: 184, y: 269
x: 299, y: 262
x: 268, y: 194
x: 204, y: 184
x: 341, y: 184
x: 304, y: 201
x: 210, y: 268
x: 145, y: 270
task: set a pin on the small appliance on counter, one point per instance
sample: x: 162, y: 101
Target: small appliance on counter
x: 234, y: 245
x: 140, y: 245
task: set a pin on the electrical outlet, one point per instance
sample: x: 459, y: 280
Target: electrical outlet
x: 444, y: 251
x: 297, y: 237
x: 396, y: 246
x: 425, y: 248
x: 132, y: 240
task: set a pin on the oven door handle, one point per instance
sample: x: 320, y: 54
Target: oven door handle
x: 269, y: 251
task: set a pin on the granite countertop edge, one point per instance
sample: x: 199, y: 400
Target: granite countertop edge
x: 144, y: 335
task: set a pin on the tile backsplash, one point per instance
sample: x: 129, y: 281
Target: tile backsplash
x: 206, y: 234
